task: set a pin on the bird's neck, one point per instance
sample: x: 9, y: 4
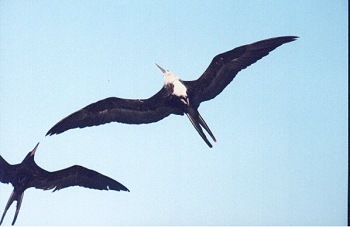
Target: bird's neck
x: 170, y: 78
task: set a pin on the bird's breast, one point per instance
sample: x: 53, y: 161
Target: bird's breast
x: 179, y: 89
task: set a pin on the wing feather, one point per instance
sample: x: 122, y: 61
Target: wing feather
x: 113, y: 109
x: 224, y: 67
x: 5, y: 167
x: 76, y: 176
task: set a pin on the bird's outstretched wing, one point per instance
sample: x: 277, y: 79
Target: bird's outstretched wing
x: 130, y: 111
x: 4, y: 171
x: 75, y: 176
x: 224, y: 67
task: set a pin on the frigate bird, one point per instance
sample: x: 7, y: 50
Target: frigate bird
x: 176, y: 96
x: 28, y: 174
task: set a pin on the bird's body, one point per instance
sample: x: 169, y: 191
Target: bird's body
x: 28, y: 174
x: 176, y: 96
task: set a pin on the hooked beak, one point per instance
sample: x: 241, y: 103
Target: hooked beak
x: 34, y: 150
x: 161, y: 69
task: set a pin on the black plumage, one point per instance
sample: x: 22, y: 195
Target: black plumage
x: 220, y: 72
x: 28, y: 174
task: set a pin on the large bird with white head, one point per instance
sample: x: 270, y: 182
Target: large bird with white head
x: 176, y: 96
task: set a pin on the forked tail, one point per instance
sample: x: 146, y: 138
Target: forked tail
x: 198, y: 122
x: 14, y: 196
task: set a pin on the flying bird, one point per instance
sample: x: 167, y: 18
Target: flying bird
x: 28, y: 174
x: 176, y: 96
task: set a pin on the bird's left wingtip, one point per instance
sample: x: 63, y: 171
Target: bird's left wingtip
x: 48, y: 133
x: 51, y: 132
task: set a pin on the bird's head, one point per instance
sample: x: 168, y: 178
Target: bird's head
x: 31, y: 154
x: 161, y: 69
x: 169, y: 77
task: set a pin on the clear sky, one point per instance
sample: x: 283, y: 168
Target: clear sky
x: 281, y: 125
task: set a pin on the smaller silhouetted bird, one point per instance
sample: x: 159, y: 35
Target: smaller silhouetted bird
x: 28, y: 174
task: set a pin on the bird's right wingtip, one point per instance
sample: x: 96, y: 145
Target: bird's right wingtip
x: 125, y: 189
x: 291, y: 38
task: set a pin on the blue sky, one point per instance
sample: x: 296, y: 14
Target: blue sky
x: 281, y: 125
